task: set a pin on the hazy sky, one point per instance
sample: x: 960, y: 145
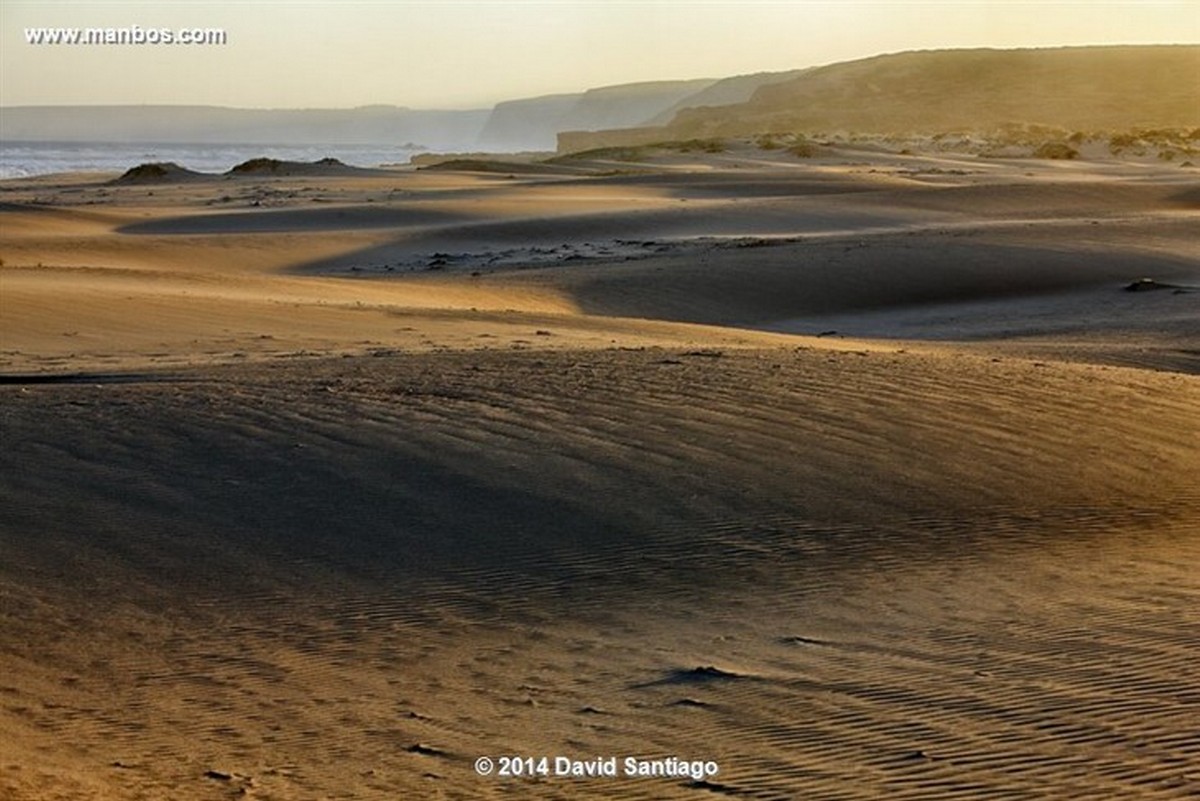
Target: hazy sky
x: 284, y: 54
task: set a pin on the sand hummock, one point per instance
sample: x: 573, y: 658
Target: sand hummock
x: 157, y: 172
x: 859, y: 474
x: 263, y: 166
x: 169, y: 172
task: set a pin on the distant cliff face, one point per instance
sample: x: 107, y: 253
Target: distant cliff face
x: 725, y: 92
x: 635, y: 103
x: 1078, y: 88
x: 534, y: 123
x: 529, y: 124
x: 446, y: 130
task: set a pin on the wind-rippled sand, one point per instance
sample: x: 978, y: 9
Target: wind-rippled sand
x: 279, y: 522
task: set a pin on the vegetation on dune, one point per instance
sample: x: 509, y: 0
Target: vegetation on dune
x: 602, y: 154
x: 1056, y: 150
x: 261, y: 164
x: 696, y: 145
x: 154, y: 171
x: 642, y: 152
x: 470, y: 165
x: 803, y: 149
x: 795, y: 143
x: 1140, y: 141
x: 1006, y: 140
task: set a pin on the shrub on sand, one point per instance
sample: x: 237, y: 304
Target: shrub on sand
x: 261, y: 164
x: 702, y: 145
x: 803, y: 149
x: 1056, y: 150
x: 1121, y: 141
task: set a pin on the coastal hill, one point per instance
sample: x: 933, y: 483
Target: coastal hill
x: 1077, y: 88
x: 725, y: 92
x: 533, y: 123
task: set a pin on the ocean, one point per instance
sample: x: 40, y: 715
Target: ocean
x: 22, y: 159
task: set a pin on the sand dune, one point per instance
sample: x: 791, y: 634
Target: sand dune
x: 328, y: 500
x: 311, y: 571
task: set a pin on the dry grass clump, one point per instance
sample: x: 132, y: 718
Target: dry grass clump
x: 696, y: 146
x: 627, y: 153
x: 142, y: 171
x: 156, y: 172
x: 803, y: 149
x: 1142, y: 141
x: 789, y: 142
x: 602, y: 154
x: 1056, y: 150
x: 261, y: 164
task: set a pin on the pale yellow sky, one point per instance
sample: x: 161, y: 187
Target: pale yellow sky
x: 285, y: 54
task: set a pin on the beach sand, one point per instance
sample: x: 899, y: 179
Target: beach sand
x: 859, y: 476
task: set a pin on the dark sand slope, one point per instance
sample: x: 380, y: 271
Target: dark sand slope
x: 914, y: 576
